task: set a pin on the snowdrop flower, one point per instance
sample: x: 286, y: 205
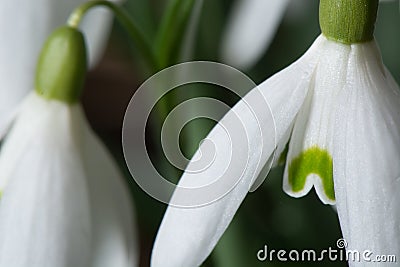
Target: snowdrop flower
x: 64, y: 202
x: 338, y: 108
x: 26, y: 35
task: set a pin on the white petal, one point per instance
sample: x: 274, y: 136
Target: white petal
x: 250, y: 30
x: 114, y: 234
x: 44, y: 210
x: 367, y: 155
x: 241, y: 144
x: 312, y: 133
x: 18, y: 52
x: 6, y: 121
x: 96, y: 27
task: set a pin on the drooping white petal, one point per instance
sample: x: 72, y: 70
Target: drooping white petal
x: 96, y: 27
x: 25, y: 37
x: 309, y: 160
x: 44, y: 210
x: 239, y: 146
x: 113, y: 226
x: 250, y: 30
x: 367, y: 155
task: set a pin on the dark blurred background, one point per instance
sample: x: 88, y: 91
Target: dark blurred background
x: 268, y: 216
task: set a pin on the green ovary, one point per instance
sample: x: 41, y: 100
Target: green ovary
x: 312, y: 161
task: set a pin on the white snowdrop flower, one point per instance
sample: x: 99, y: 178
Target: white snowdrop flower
x: 25, y: 37
x: 64, y: 201
x: 338, y: 109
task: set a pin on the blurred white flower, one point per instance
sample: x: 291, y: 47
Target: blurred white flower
x: 340, y: 108
x: 250, y: 30
x: 64, y: 201
x: 24, y: 36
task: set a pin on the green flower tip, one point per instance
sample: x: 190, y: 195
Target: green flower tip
x: 348, y: 21
x: 62, y: 66
x: 312, y: 161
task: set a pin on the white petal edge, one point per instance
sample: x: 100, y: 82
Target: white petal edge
x: 113, y: 226
x: 6, y: 120
x: 366, y: 156
x: 187, y: 235
x: 250, y: 30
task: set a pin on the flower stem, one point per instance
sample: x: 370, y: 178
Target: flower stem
x: 123, y: 17
x: 348, y: 21
x: 172, y: 29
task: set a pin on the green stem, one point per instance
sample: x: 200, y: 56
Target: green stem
x: 348, y: 21
x: 143, y: 45
x: 172, y: 30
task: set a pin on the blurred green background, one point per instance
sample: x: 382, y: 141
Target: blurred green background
x: 267, y: 216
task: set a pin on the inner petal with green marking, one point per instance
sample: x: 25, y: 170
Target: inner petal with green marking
x: 312, y: 161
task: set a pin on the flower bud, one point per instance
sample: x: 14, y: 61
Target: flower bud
x: 62, y: 66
